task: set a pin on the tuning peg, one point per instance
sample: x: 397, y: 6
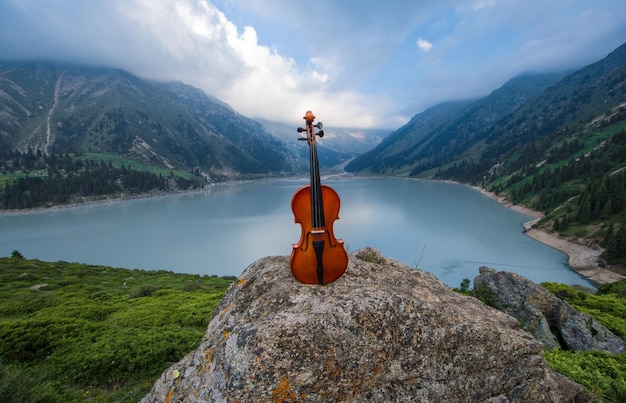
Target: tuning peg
x: 319, y: 125
x: 300, y: 129
x: 320, y: 133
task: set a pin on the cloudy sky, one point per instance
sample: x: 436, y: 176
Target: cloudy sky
x: 365, y: 63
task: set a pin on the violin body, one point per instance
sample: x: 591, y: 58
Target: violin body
x: 318, y: 257
x: 304, y: 258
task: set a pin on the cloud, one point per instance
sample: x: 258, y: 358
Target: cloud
x: 353, y: 66
x: 424, y: 45
x: 190, y: 41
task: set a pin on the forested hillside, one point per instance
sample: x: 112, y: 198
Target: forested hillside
x: 32, y: 179
x: 57, y: 108
x: 583, y: 190
x: 71, y: 134
x: 557, y: 148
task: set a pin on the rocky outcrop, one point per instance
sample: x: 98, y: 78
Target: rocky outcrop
x: 382, y: 332
x: 553, y: 321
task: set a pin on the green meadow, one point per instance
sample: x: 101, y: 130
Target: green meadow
x: 75, y: 332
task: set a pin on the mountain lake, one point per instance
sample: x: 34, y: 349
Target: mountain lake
x: 444, y: 228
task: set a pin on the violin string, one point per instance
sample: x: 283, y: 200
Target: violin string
x: 314, y: 201
x: 316, y: 191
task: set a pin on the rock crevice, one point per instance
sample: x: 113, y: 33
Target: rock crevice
x: 550, y: 319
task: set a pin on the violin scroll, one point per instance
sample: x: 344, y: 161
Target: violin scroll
x: 309, y: 117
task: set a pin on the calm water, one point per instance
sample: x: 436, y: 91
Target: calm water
x: 449, y: 229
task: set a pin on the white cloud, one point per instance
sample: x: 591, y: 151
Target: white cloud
x: 483, y: 3
x: 212, y: 53
x: 424, y: 45
x: 351, y: 66
x: 190, y: 41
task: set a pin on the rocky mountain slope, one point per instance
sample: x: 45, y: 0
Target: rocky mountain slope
x: 59, y: 108
x: 464, y: 140
x: 447, y: 131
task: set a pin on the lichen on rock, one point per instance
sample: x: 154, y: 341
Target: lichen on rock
x: 550, y: 319
x: 382, y: 332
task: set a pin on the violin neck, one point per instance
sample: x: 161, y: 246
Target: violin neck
x: 317, y: 205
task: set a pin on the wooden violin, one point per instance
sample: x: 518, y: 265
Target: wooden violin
x: 318, y: 257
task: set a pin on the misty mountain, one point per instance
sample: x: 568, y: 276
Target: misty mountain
x: 336, y: 147
x: 465, y: 140
x: 58, y: 108
x: 447, y: 131
x: 352, y: 141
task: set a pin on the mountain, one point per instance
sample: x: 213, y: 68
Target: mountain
x: 465, y: 140
x: 556, y: 145
x: 57, y: 108
x: 396, y: 149
x: 337, y: 147
x: 448, y: 131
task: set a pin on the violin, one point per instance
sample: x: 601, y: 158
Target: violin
x: 318, y: 257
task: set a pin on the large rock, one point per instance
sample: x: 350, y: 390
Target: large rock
x: 553, y: 321
x: 382, y: 332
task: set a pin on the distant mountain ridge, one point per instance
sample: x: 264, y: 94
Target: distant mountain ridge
x: 337, y: 147
x: 446, y: 131
x: 481, y: 133
x: 60, y: 108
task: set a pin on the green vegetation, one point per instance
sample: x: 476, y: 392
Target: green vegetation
x: 483, y: 292
x: 604, y: 375
x: 32, y: 179
x: 118, y: 162
x: 581, y: 185
x: 75, y: 332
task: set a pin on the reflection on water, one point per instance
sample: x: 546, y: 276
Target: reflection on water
x: 450, y: 229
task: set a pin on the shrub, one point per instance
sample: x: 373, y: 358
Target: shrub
x: 145, y: 290
x: 482, y: 291
x: 87, y: 336
x: 604, y: 375
x: 618, y: 288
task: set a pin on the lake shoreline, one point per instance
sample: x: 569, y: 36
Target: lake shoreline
x: 117, y: 198
x: 583, y: 259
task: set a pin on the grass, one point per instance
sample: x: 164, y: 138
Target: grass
x: 603, y: 374
x: 75, y: 332
x: 119, y: 161
x: 13, y: 176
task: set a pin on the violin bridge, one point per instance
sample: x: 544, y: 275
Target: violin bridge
x: 318, y: 231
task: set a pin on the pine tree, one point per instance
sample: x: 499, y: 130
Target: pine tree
x: 584, y: 210
x: 607, y: 210
x: 620, y: 241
